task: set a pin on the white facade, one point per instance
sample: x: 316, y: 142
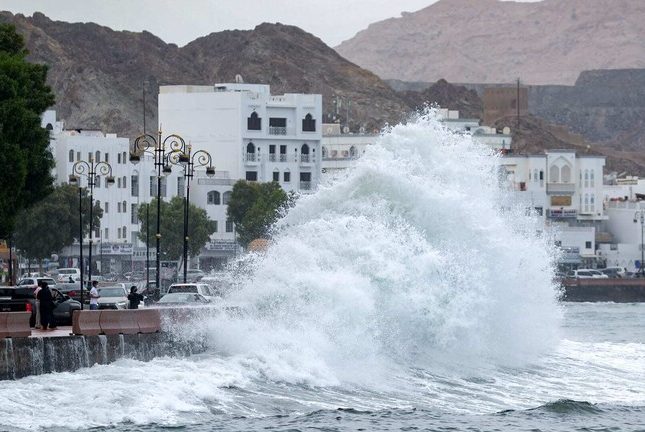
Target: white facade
x: 483, y: 134
x: 250, y: 135
x: 339, y: 151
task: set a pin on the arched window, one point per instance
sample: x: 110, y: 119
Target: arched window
x: 97, y: 156
x: 118, y: 157
x: 308, y: 124
x: 125, y: 207
x: 124, y: 182
x: 586, y: 203
x: 591, y: 179
x: 71, y: 156
x: 276, y: 175
x: 212, y: 198
x: 49, y: 127
x: 535, y: 175
x: 124, y: 158
x: 125, y: 232
x: 586, y: 178
x: 592, y: 203
x: 304, y: 153
x: 554, y: 174
x: 352, y: 152
x: 566, y: 174
x: 254, y: 122
x: 250, y: 152
x: 226, y: 197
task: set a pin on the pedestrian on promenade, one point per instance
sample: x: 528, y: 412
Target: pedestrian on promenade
x: 94, y: 296
x: 36, y: 291
x: 134, y: 297
x: 46, y: 307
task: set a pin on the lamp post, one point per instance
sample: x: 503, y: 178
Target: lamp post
x: 91, y: 170
x: 639, y: 216
x: 189, y: 161
x: 155, y: 146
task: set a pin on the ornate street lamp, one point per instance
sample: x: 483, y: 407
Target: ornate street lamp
x: 91, y: 170
x: 639, y: 216
x: 155, y: 146
x: 189, y: 161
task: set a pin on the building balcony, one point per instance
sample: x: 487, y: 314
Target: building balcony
x: 252, y: 159
x: 560, y: 188
x: 272, y: 157
x: 562, y: 213
x: 305, y: 185
x: 283, y: 157
x: 277, y: 130
x: 305, y: 158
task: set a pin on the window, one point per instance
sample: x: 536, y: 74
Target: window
x: 78, y: 156
x: 254, y: 122
x: 324, y: 152
x: 124, y: 158
x: 283, y: 153
x: 276, y: 176
x: 588, y: 245
x: 164, y: 181
x: 592, y: 204
x: 541, y: 175
x: 125, y: 232
x: 554, y: 174
x: 591, y: 179
x: 586, y: 203
x: 287, y: 176
x: 250, y: 152
x: 71, y: 155
x: 134, y: 185
x: 118, y: 181
x: 118, y: 232
x: 124, y: 182
x: 566, y: 174
x: 181, y: 182
x: 226, y: 197
x: 107, y: 157
x: 277, y: 126
x: 229, y: 226
x: 118, y: 157
x: 97, y: 181
x: 97, y: 232
x: 304, y: 153
x: 308, y: 124
x: 535, y: 175
x: 118, y: 207
x: 107, y: 207
x: 586, y: 178
x: 215, y: 226
x: 212, y: 198
x: 272, y: 153
x: 134, y: 210
x: 124, y: 206
x: 251, y: 176
x: 97, y: 156
x: 90, y: 157
x: 106, y: 234
x: 352, y: 152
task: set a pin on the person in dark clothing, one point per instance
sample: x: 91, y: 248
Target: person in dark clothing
x: 46, y: 307
x: 134, y: 297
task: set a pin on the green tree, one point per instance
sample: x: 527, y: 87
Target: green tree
x: 52, y: 223
x: 254, y: 208
x: 200, y: 227
x: 24, y: 155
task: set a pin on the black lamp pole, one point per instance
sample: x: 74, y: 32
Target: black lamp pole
x: 91, y: 170
x: 189, y: 160
x: 640, y: 216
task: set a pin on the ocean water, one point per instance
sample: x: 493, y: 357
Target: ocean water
x: 411, y: 293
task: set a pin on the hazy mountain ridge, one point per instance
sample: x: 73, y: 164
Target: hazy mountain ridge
x: 98, y: 74
x: 547, y: 42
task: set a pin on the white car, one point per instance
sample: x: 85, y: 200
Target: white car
x: 32, y: 282
x: 587, y: 274
x: 64, y: 275
x: 195, y: 288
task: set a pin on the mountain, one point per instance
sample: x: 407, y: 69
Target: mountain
x: 484, y: 41
x: 98, y: 75
x: 446, y: 95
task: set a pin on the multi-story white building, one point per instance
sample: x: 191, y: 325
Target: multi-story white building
x: 498, y: 140
x: 250, y: 135
x: 625, y: 225
x: 566, y: 189
x: 116, y: 247
x: 340, y: 150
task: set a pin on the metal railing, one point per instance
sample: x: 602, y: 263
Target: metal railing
x: 277, y: 130
x: 304, y: 158
x: 283, y: 157
x: 567, y: 188
x: 305, y: 185
x: 271, y: 157
x: 250, y: 157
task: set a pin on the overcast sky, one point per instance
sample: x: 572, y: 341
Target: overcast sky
x: 181, y: 21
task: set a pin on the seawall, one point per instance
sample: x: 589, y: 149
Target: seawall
x: 604, y: 290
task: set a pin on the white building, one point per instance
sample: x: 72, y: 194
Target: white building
x: 624, y: 224
x: 566, y: 189
x: 498, y: 140
x: 115, y: 239
x: 339, y: 150
x: 250, y: 135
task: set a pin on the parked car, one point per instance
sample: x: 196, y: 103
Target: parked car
x: 22, y: 299
x: 69, y: 275
x: 182, y: 299
x: 113, y: 297
x: 587, y: 274
x: 32, y: 282
x: 219, y: 285
x: 196, y: 288
x: 615, y: 272
x: 194, y: 275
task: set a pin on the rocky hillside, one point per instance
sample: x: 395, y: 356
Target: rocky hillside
x: 446, y: 95
x: 99, y: 74
x: 483, y: 41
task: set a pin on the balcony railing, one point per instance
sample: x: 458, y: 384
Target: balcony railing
x: 557, y: 213
x: 283, y: 157
x: 277, y: 130
x: 304, y: 158
x: 305, y: 185
x: 250, y: 157
x: 271, y: 157
x: 561, y: 188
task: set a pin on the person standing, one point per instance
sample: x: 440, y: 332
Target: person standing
x: 134, y: 297
x: 94, y: 296
x: 46, y: 307
x: 36, y: 291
